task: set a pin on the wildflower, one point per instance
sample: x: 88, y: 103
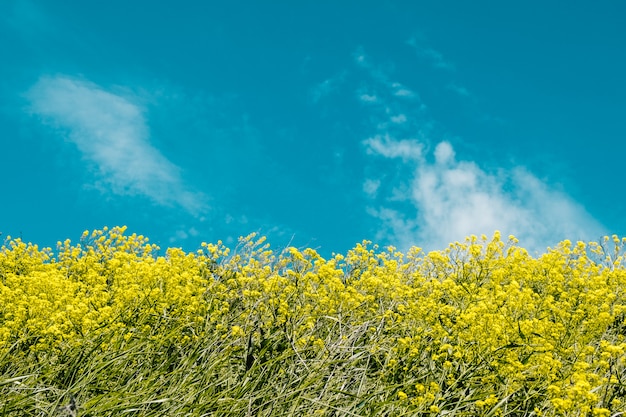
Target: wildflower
x: 237, y: 331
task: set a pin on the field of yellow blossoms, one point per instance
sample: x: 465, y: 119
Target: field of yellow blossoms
x: 114, y: 326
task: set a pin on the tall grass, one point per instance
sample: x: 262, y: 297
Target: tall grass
x: 106, y: 327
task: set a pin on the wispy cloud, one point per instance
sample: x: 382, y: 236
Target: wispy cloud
x: 454, y: 199
x: 401, y: 91
x: 327, y: 87
x: 399, y: 119
x: 434, y: 57
x: 395, y: 88
x: 436, y: 197
x: 183, y: 234
x: 368, y: 98
x: 370, y: 187
x: 458, y: 89
x: 110, y: 130
x: 407, y: 150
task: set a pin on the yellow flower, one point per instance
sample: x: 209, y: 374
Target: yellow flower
x: 601, y: 412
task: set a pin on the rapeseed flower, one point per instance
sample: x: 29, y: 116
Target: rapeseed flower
x: 477, y: 325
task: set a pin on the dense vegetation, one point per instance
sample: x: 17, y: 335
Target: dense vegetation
x: 110, y: 327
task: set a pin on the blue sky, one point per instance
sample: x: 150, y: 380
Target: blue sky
x: 318, y: 124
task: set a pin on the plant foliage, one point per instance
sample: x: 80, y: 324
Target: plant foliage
x: 109, y: 327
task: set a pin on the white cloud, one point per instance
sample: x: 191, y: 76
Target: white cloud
x: 368, y: 98
x: 401, y: 91
x: 111, y: 131
x: 387, y: 147
x: 454, y: 200
x: 444, y: 153
x: 430, y: 199
x: 371, y: 187
x: 399, y: 119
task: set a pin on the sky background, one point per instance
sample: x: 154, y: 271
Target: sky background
x: 318, y: 124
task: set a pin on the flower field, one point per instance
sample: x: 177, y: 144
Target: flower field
x: 114, y: 326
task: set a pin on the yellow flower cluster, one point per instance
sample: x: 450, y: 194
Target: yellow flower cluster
x: 481, y: 327
x: 102, y: 284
